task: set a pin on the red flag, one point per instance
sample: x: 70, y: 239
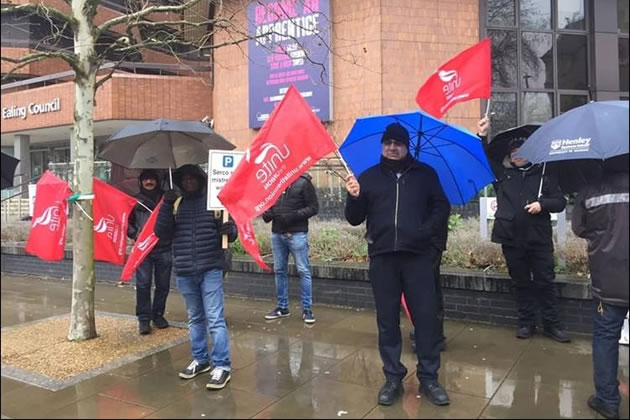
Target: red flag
x: 289, y: 143
x: 47, y: 238
x: 111, y: 216
x: 145, y: 243
x: 467, y: 76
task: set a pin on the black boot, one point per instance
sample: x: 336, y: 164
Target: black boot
x: 144, y: 327
x: 557, y: 334
x: 434, y: 392
x: 525, y: 331
x: 597, y: 406
x: 390, y: 392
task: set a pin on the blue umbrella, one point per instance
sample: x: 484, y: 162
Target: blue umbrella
x: 598, y: 130
x: 456, y: 154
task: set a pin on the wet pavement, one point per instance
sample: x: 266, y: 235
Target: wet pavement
x: 285, y: 369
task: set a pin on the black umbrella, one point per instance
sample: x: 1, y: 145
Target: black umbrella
x: 162, y: 144
x: 9, y: 163
x: 500, y: 144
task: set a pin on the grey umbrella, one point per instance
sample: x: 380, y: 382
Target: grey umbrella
x: 161, y: 144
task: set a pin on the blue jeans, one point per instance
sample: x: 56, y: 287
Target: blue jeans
x: 607, y: 323
x: 204, y: 301
x: 296, y: 244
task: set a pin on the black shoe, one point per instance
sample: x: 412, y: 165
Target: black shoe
x: 194, y: 369
x: 434, y: 392
x: 278, y: 313
x: 390, y: 392
x: 308, y: 317
x: 218, y: 379
x: 557, y: 334
x: 597, y: 406
x: 525, y: 331
x: 160, y: 322
x: 144, y: 327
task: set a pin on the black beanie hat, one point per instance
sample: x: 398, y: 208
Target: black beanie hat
x: 149, y: 173
x: 395, y: 131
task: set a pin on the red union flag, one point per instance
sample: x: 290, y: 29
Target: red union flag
x: 47, y: 238
x: 111, y: 216
x: 467, y: 76
x: 289, y: 143
x: 145, y: 243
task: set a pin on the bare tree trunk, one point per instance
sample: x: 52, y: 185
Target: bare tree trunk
x: 82, y: 326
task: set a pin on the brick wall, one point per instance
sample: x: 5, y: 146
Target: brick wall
x: 467, y: 296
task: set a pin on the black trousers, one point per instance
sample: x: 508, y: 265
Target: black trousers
x: 391, y: 275
x: 157, y: 265
x: 436, y: 261
x: 532, y: 273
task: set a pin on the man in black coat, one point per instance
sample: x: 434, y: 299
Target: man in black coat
x: 404, y: 206
x: 198, y: 258
x: 601, y: 217
x: 522, y: 225
x: 157, y: 264
x: 289, y: 235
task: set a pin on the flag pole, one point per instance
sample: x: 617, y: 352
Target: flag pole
x: 170, y: 176
x: 541, y: 180
x: 488, y: 107
x: 343, y: 161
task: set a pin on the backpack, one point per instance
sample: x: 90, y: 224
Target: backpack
x: 226, y: 265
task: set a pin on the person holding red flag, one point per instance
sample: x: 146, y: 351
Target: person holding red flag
x: 157, y: 264
x: 403, y: 204
x: 198, y: 259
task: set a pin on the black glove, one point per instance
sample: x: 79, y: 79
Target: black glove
x: 226, y: 228
x: 170, y: 196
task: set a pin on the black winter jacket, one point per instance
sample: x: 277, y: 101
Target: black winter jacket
x: 601, y: 216
x: 295, y: 206
x: 194, y: 231
x: 515, y: 188
x: 403, y: 213
x: 139, y: 216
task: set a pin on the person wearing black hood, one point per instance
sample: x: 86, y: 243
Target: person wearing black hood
x: 198, y: 258
x: 404, y: 207
x: 157, y: 264
x: 522, y: 227
x: 600, y: 216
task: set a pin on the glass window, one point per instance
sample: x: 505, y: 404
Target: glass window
x: 501, y: 13
x: 571, y: 14
x: 572, y: 67
x: 503, y: 110
x: 536, y: 107
x: 623, y: 64
x: 537, y: 60
x: 622, y: 16
x: 503, y: 58
x: 535, y: 14
x: 568, y: 102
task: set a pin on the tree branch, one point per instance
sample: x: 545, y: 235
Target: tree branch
x: 40, y: 10
x: 38, y: 56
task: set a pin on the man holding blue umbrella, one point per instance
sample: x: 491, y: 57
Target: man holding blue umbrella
x: 404, y: 206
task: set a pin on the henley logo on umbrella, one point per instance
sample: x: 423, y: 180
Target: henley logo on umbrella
x: 465, y: 77
x: 289, y: 143
x: 562, y: 146
x: 147, y: 240
x: 111, y: 214
x: 47, y: 237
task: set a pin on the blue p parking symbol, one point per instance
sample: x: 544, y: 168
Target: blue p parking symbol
x: 228, y: 161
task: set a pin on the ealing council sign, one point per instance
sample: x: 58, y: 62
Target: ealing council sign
x: 32, y: 108
x: 290, y: 44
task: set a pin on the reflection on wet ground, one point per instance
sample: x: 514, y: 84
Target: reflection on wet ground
x: 284, y: 369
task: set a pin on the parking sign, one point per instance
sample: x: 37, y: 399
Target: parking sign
x: 221, y: 165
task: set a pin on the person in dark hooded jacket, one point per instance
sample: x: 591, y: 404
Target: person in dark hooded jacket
x: 157, y: 264
x: 522, y: 226
x: 198, y: 259
x: 289, y: 235
x: 600, y: 216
